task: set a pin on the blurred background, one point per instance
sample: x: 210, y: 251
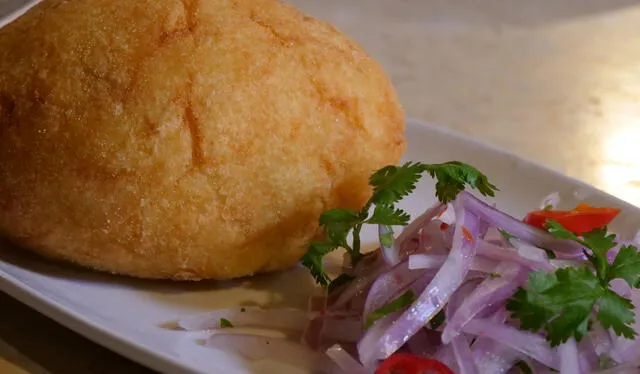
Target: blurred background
x: 555, y: 81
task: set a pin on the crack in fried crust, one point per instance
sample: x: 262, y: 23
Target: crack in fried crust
x: 282, y: 39
x: 193, y: 125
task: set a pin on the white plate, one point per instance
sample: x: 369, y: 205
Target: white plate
x: 123, y: 314
x: 12, y: 9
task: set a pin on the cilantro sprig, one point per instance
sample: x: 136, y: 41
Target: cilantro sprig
x: 395, y: 305
x: 564, y: 302
x: 390, y: 185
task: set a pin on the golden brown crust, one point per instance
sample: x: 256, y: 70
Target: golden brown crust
x: 184, y: 139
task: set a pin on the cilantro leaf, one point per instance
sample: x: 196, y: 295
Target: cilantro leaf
x: 506, y: 235
x: 342, y: 279
x: 313, y: 260
x: 557, y: 230
x: 338, y: 223
x: 395, y: 305
x: 437, y: 320
x: 390, y: 184
x: 617, y: 312
x: 225, y: 323
x: 454, y: 175
x: 388, y: 215
x: 626, y: 266
x: 523, y: 367
x: 560, y: 303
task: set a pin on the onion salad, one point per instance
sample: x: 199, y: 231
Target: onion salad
x: 463, y: 288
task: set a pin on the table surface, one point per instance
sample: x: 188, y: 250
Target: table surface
x: 556, y: 81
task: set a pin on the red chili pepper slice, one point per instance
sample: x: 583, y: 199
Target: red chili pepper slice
x: 406, y: 363
x: 581, y: 219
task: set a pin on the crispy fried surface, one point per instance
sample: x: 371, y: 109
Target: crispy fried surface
x: 184, y: 139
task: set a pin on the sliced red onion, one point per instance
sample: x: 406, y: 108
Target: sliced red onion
x: 626, y: 350
x: 500, y: 253
x: 344, y: 360
x: 632, y: 367
x: 599, y: 339
x: 563, y: 248
x: 419, y: 261
x: 255, y: 347
x: 552, y: 200
x: 446, y: 355
x: 424, y: 342
x: 492, y: 291
x: 433, y: 239
x: 588, y: 356
x: 356, y: 289
x: 534, y: 254
x: 251, y: 316
x: 390, y: 253
x: 381, y: 341
x: 559, y: 264
x: 312, y: 336
x: 390, y: 285
x: 636, y: 238
x: 493, y: 357
x: 426, y: 261
x: 621, y: 287
x: 569, y: 357
x: 342, y: 329
x: 412, y: 229
x: 463, y: 355
x: 372, y: 337
x: 532, y: 345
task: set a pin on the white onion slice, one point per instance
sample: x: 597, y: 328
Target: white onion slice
x: 552, y: 200
x: 530, y: 344
x: 562, y: 248
x: 254, y: 347
x: 376, y: 344
x: 462, y: 352
x: 277, y: 319
x: 569, y: 357
x: 491, y: 292
x: 420, y: 261
x: 344, y: 360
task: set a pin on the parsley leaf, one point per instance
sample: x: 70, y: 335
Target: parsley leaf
x: 342, y: 279
x: 454, y: 175
x: 437, y: 320
x: 626, y: 266
x: 337, y: 224
x: 313, y: 260
x: 225, y: 323
x: 390, y: 184
x: 559, y: 303
x: 506, y: 235
x: 524, y: 367
x: 395, y: 305
x: 389, y: 215
x: 617, y: 312
x: 562, y: 302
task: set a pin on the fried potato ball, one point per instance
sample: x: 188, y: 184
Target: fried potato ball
x: 193, y: 139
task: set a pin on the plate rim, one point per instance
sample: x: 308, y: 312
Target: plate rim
x: 143, y: 355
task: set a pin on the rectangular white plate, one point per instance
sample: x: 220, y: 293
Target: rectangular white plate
x: 123, y: 314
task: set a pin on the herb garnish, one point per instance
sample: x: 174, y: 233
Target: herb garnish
x: 225, y: 323
x: 395, y: 305
x: 390, y: 184
x: 562, y: 302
